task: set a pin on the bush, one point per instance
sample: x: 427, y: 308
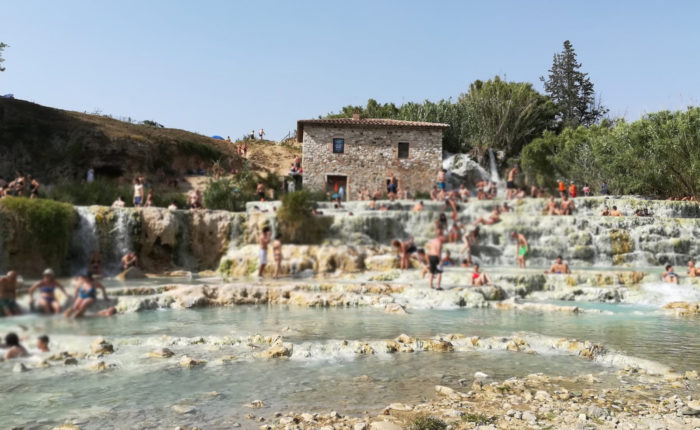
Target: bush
x: 100, y: 192
x: 225, y: 194
x: 39, y: 224
x: 296, y: 222
x: 424, y: 422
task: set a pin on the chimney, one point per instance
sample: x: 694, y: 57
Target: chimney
x: 356, y: 116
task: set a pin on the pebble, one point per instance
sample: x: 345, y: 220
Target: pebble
x: 529, y: 417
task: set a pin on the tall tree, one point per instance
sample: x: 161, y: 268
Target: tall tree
x: 572, y: 90
x: 505, y: 115
x: 2, y: 47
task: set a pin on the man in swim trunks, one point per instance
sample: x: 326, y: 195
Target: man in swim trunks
x: 264, y: 242
x: 510, y: 185
x: 669, y: 275
x: 441, y: 179
x: 47, y: 300
x: 8, y: 295
x: 692, y: 270
x: 434, y: 254
x: 606, y: 211
x: 559, y: 267
x: 615, y: 212
x: 522, y: 248
x: 567, y: 206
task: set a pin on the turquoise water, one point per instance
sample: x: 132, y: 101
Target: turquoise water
x: 139, y: 391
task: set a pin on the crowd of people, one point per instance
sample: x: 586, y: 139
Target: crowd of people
x: 22, y: 186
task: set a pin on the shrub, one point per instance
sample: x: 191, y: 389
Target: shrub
x: 478, y: 419
x: 100, y: 192
x: 425, y: 422
x: 297, y: 223
x: 225, y: 194
x: 39, y: 224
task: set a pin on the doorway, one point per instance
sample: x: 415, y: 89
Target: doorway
x: 334, y: 183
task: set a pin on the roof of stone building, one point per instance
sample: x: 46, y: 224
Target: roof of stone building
x: 364, y: 122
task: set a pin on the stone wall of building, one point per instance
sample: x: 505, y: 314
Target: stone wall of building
x: 370, y: 156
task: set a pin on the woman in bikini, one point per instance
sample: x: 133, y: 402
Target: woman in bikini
x: 85, y: 295
x: 47, y: 300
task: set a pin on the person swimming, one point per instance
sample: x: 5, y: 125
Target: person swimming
x: 47, y: 299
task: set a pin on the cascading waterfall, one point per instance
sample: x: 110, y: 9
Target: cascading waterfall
x: 493, y: 169
x: 84, y: 240
x: 122, y: 240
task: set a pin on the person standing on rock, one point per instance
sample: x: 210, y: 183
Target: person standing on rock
x: 522, y: 248
x: 8, y: 295
x: 138, y: 192
x: 510, y: 185
x: 277, y: 254
x: 434, y: 256
x: 264, y: 242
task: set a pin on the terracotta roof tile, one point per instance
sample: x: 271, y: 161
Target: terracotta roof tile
x: 363, y: 122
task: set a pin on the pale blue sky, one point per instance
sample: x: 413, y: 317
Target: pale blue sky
x: 226, y: 67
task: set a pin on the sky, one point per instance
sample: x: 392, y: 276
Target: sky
x: 225, y: 67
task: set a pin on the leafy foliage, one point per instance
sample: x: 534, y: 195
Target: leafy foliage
x: 296, y: 222
x: 425, y: 422
x: 2, y: 60
x: 572, y: 90
x: 659, y: 155
x: 505, y: 115
x: 104, y: 192
x: 232, y: 193
x: 41, y: 224
x: 478, y: 419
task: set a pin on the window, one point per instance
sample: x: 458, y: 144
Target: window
x: 338, y: 146
x: 403, y: 149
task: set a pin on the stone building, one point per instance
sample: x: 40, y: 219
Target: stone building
x: 361, y: 154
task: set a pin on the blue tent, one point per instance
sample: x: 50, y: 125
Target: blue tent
x: 218, y: 137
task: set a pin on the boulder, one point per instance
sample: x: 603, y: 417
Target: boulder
x: 161, y: 353
x: 277, y: 351
x: 394, y: 308
x: 100, y: 366
x: 101, y: 346
x: 438, y: 345
x: 189, y: 362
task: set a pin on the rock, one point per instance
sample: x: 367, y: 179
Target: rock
x: 100, y: 366
x: 101, y: 346
x: 20, y: 368
x: 66, y: 427
x: 277, y: 351
x: 480, y: 375
x: 255, y: 404
x: 449, y: 392
x: 189, y: 363
x: 382, y: 263
x: 597, y: 412
x: 582, y: 417
x: 71, y: 361
x: 529, y: 417
x: 683, y: 308
x: 183, y: 409
x: 394, y: 308
x: 131, y: 273
x: 438, y: 345
x: 308, y: 418
x: 492, y: 292
x: 542, y: 396
x: 405, y: 339
x: 359, y: 426
x: 161, y: 353
x: 461, y: 169
x: 384, y: 425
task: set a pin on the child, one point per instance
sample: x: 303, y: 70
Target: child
x: 43, y: 343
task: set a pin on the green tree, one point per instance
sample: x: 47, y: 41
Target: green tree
x: 572, y: 90
x: 2, y: 60
x: 505, y: 115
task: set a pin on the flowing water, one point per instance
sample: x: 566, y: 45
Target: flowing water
x: 321, y: 375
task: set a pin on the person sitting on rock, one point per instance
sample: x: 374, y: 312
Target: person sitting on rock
x: 15, y: 349
x: 558, y: 267
x: 455, y: 233
x: 464, y: 193
x: 470, y: 238
x: 467, y: 262
x: 447, y: 259
x: 130, y: 260
x: 606, y: 211
x: 480, y: 279
x: 85, y: 295
x: 692, y: 270
x: 47, y: 299
x: 551, y: 208
x: 567, y: 206
x: 669, y: 275
x: 615, y: 212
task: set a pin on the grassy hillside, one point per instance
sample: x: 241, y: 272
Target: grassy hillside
x: 54, y: 144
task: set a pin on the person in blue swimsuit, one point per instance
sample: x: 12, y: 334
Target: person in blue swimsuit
x: 85, y: 295
x: 47, y: 299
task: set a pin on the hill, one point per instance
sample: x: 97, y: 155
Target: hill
x: 53, y: 144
